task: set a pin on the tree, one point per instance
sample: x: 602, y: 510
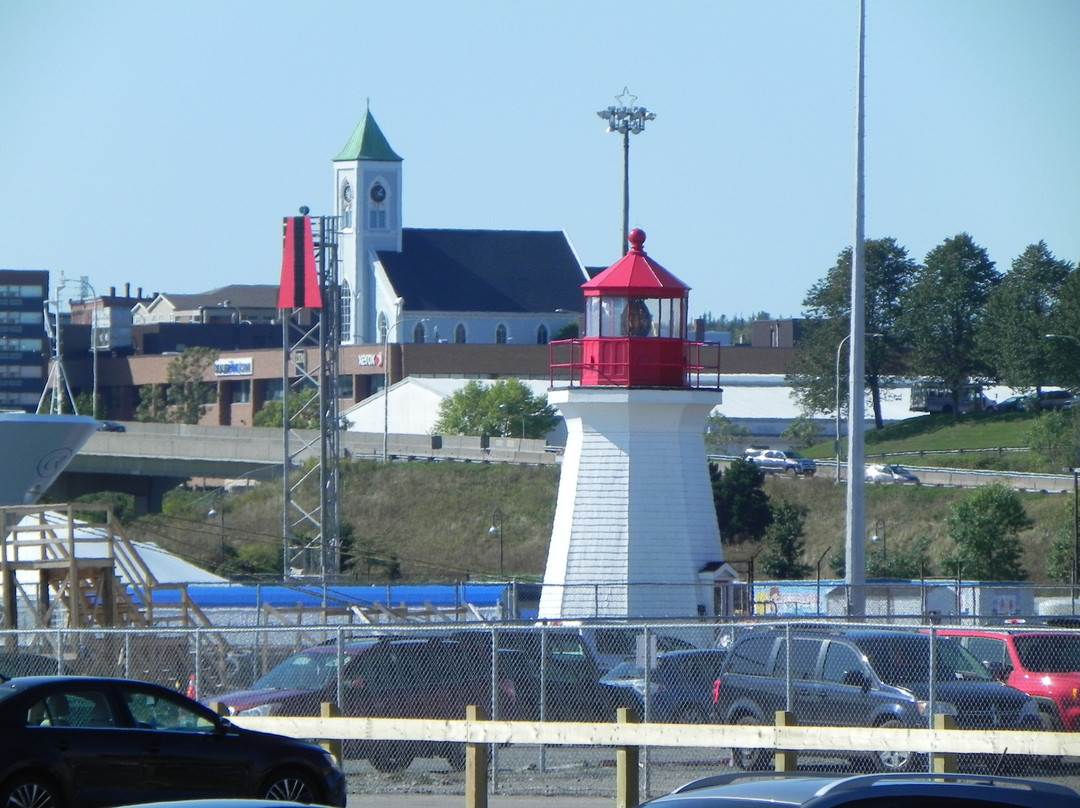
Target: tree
x: 1053, y: 438
x: 1019, y: 313
x: 506, y: 408
x: 722, y: 435
x: 802, y: 431
x: 986, y: 526
x: 889, y: 275
x: 785, y: 544
x: 187, y: 393
x: 153, y: 405
x: 302, y: 413
x: 943, y: 314
x: 742, y: 506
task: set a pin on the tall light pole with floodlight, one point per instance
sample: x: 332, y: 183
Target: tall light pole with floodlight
x: 386, y: 381
x: 839, y: 348
x: 1075, y: 576
x: 626, y: 119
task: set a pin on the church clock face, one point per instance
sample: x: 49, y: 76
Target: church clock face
x: 378, y: 193
x: 346, y: 193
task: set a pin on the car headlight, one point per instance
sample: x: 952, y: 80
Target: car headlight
x: 940, y: 708
x: 262, y: 709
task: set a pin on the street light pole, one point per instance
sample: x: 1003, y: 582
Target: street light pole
x: 840, y: 348
x: 879, y: 536
x: 627, y: 120
x: 386, y: 383
x: 497, y: 528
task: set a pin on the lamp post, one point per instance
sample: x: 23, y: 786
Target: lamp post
x: 626, y: 119
x: 840, y: 348
x: 879, y: 536
x: 817, y: 601
x: 218, y: 510
x: 497, y: 528
x: 386, y: 382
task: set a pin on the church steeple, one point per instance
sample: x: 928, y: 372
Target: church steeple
x: 368, y: 143
x: 367, y: 191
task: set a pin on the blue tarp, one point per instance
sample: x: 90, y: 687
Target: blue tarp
x: 209, y: 596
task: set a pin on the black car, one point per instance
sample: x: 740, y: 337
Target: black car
x: 862, y: 678
x: 813, y: 790
x: 111, y: 426
x: 83, y: 742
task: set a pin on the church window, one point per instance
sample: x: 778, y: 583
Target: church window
x: 346, y: 310
x: 500, y: 334
x: 384, y: 327
x: 459, y: 334
x: 418, y: 334
x: 377, y: 206
x: 542, y: 335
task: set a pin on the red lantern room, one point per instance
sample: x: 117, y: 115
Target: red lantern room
x: 635, y: 324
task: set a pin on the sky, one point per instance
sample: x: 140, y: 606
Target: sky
x: 160, y: 142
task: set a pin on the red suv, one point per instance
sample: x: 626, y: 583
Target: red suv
x: 1043, y: 664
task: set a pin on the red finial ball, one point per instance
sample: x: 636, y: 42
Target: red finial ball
x: 636, y: 239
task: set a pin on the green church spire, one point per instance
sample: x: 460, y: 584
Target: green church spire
x: 368, y: 143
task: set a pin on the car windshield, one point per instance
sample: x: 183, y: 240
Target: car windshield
x: 308, y: 670
x: 1059, y: 653
x: 906, y: 660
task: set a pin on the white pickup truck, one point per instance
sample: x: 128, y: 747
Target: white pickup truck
x: 778, y: 461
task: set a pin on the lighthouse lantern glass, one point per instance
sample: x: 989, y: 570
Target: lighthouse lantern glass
x: 621, y: 316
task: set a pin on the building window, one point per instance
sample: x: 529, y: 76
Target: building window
x: 346, y: 310
x: 240, y: 392
x: 459, y: 334
x: 542, y: 335
x: 418, y: 334
x: 500, y: 334
x: 384, y: 327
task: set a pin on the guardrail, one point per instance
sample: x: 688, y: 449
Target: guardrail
x: 941, y: 745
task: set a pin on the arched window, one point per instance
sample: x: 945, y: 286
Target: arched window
x: 346, y: 310
x: 418, y: 333
x: 459, y: 333
x: 384, y: 326
x: 542, y: 335
x: 500, y: 334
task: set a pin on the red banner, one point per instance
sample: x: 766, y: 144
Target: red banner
x: 299, y: 276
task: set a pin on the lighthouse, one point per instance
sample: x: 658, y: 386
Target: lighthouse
x: 635, y: 532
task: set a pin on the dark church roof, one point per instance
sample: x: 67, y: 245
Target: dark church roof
x: 485, y: 271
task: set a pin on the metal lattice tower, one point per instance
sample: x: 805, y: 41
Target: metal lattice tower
x: 311, y: 532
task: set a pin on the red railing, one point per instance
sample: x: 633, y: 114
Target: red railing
x: 700, y: 366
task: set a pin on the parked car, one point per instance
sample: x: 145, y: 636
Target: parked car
x: 778, y: 461
x: 861, y: 678
x: 17, y: 663
x: 1043, y: 664
x: 830, y: 790
x: 678, y: 690
x: 111, y: 426
x: 555, y: 675
x: 880, y: 473
x: 1051, y: 400
x: 82, y: 742
x: 381, y: 678
x: 1010, y: 404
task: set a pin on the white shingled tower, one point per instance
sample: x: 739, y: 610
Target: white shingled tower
x: 635, y: 532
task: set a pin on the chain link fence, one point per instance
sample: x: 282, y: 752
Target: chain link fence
x: 824, y: 673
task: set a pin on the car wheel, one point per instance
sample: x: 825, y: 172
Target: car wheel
x: 391, y: 757
x: 690, y: 714
x: 792, y: 473
x: 893, y: 760
x: 290, y: 785
x: 751, y: 760
x: 30, y: 791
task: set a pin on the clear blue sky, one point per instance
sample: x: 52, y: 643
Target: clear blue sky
x: 160, y: 143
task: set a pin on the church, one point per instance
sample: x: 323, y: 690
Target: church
x: 424, y: 285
